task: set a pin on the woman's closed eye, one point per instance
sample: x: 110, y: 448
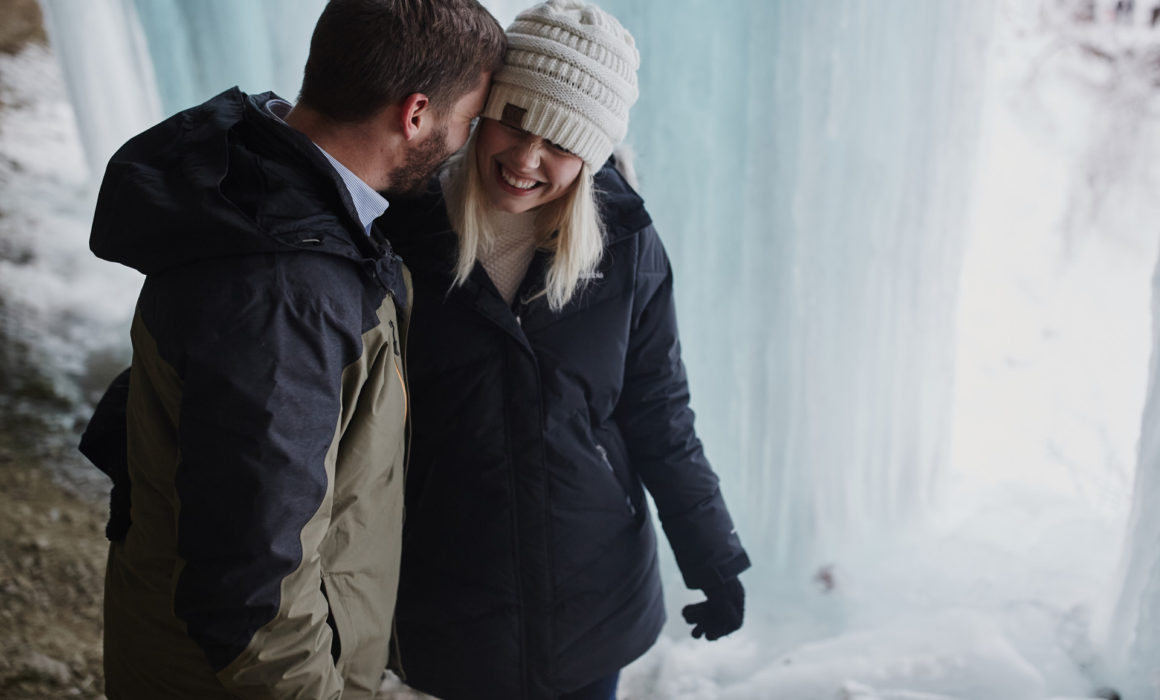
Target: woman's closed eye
x: 558, y: 148
x: 515, y: 130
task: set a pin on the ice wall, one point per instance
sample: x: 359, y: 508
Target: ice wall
x: 1134, y: 634
x: 202, y: 47
x: 156, y: 57
x: 505, y: 10
x: 110, y: 81
x: 809, y: 165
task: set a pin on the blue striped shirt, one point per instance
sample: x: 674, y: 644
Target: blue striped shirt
x: 368, y: 203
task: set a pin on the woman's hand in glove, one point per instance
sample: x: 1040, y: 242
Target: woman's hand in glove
x: 720, y: 614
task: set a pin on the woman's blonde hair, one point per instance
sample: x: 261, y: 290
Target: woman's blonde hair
x: 569, y: 227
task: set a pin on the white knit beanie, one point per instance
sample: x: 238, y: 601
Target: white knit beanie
x: 569, y: 77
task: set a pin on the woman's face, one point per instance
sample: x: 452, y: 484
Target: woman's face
x: 521, y: 171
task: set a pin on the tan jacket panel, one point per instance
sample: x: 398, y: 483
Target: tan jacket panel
x: 351, y: 546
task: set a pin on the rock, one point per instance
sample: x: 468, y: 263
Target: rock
x: 37, y: 666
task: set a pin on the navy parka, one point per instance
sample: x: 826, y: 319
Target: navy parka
x: 529, y: 565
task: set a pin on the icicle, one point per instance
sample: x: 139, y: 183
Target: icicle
x: 110, y: 81
x: 815, y: 212
x: 1134, y: 633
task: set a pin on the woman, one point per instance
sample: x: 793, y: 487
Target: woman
x: 548, y: 392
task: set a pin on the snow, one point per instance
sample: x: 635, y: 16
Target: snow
x: 1053, y: 321
x: 1133, y: 634
x: 955, y: 654
x: 1004, y: 591
x: 993, y: 600
x: 1012, y: 586
x: 69, y: 304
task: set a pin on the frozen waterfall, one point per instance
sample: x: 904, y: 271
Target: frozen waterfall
x: 110, y: 82
x: 1134, y: 634
x: 813, y: 167
x: 156, y: 57
x: 808, y: 165
x: 201, y: 48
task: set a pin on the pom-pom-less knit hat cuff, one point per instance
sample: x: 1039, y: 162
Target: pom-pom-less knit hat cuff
x: 569, y: 76
x: 551, y: 120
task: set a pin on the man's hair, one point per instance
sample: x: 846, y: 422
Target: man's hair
x: 368, y: 54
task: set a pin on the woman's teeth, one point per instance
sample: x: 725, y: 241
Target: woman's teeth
x: 518, y: 183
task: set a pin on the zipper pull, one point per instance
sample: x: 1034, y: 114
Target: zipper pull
x: 604, y: 457
x: 394, y: 338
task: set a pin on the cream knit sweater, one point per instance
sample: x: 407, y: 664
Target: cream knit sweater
x: 511, y: 252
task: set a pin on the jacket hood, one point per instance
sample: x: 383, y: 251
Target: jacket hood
x: 222, y: 179
x: 620, y: 205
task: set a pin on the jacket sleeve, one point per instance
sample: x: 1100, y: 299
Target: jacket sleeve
x: 654, y: 416
x: 104, y: 443
x: 261, y: 376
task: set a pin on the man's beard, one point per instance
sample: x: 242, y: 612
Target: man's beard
x: 410, y: 179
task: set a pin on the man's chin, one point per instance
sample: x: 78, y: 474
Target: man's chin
x: 412, y: 190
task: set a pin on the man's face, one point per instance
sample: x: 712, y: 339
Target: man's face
x: 448, y: 135
x: 411, y: 177
x: 465, y: 111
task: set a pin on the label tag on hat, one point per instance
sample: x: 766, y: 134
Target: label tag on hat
x: 513, y: 115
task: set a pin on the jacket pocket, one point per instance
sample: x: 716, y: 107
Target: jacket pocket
x: 338, y: 619
x: 360, y: 603
x: 615, y: 477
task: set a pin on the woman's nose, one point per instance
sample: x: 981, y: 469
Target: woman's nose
x: 527, y: 152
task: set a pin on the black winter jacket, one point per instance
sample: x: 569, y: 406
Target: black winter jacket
x: 529, y: 565
x: 257, y: 450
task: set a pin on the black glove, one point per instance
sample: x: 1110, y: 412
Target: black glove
x: 720, y: 614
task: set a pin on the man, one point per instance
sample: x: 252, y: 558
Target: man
x: 266, y: 407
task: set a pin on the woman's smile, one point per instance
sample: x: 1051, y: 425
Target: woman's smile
x: 521, y: 171
x: 516, y: 184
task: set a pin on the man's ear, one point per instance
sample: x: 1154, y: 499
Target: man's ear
x: 415, y: 115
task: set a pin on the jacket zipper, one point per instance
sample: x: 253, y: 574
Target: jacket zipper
x: 402, y: 674
x: 604, y: 457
